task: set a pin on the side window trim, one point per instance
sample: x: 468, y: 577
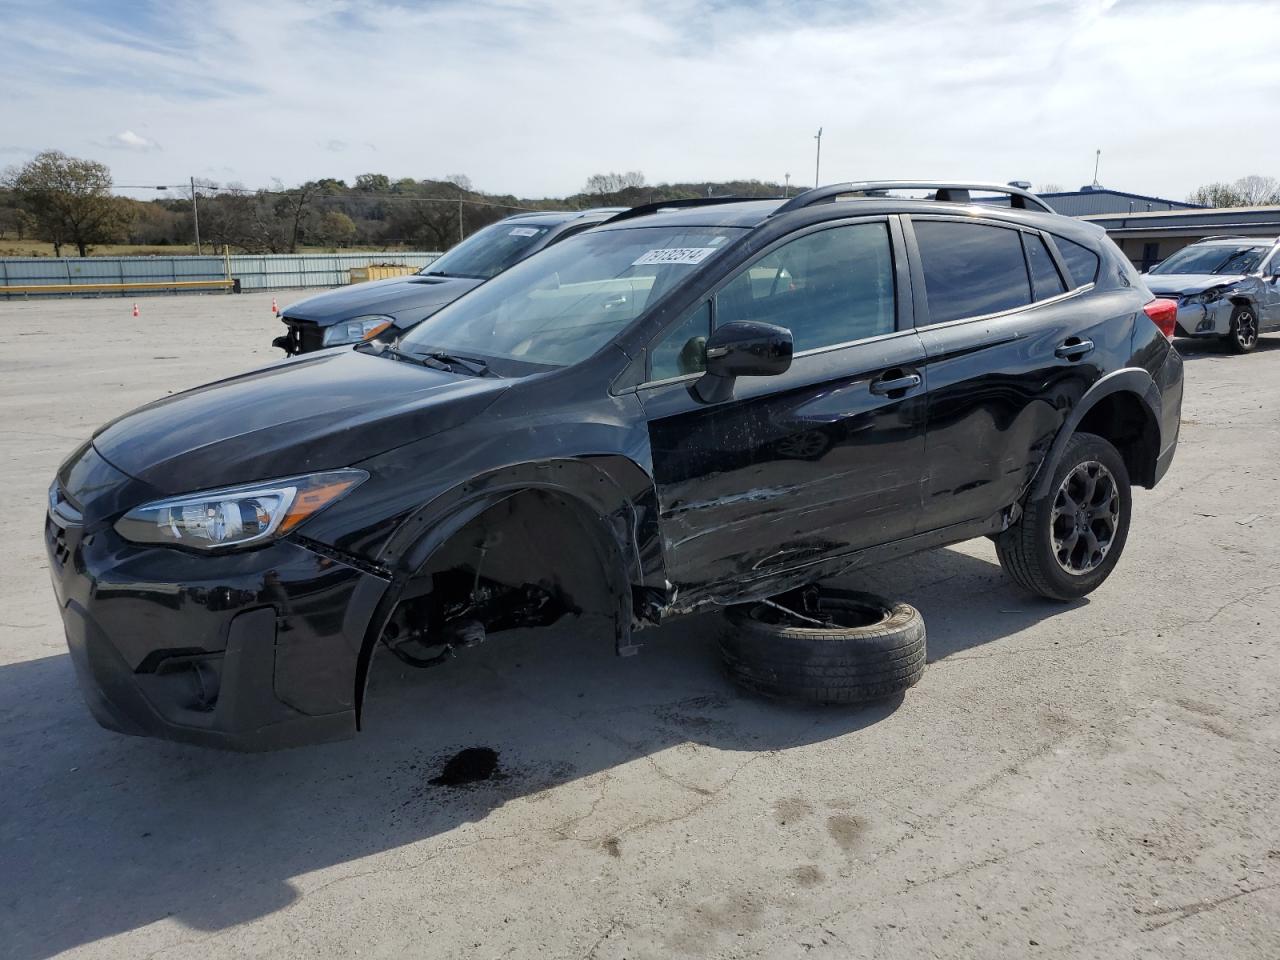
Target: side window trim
x: 1060, y: 262
x: 903, y: 291
x: 923, y: 317
x: 1027, y: 237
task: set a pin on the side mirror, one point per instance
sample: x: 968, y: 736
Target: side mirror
x: 743, y: 348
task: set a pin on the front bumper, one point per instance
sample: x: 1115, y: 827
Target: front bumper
x: 246, y: 651
x: 1204, y: 320
x: 302, y: 336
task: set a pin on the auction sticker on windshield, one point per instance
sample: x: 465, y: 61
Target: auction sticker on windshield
x: 523, y: 232
x: 675, y: 255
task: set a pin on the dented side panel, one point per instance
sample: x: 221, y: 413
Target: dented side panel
x: 795, y: 469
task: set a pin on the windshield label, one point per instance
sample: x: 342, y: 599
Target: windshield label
x: 523, y: 232
x: 676, y: 255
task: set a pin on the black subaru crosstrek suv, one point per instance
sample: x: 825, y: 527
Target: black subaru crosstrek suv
x: 695, y: 404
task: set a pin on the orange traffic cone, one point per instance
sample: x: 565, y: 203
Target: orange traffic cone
x: 274, y: 309
x: 135, y: 310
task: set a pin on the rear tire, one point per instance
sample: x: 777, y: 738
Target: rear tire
x: 1068, y: 542
x: 1243, y: 337
x: 877, y: 652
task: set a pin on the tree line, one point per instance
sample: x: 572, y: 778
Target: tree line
x: 69, y: 202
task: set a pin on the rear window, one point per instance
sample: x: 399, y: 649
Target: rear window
x: 1081, y: 261
x: 487, y: 253
x: 971, y: 269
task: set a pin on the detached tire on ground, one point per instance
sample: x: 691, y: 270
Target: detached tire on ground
x: 872, y: 649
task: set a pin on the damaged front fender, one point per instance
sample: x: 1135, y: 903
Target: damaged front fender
x: 609, y: 498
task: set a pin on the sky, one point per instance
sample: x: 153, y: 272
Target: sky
x: 531, y: 97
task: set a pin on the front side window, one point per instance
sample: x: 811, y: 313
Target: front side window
x: 971, y: 269
x: 561, y: 306
x: 830, y: 287
x: 682, y: 350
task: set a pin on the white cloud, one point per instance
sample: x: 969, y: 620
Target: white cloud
x: 532, y: 96
x: 128, y: 140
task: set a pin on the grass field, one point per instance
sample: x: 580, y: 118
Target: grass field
x: 38, y: 248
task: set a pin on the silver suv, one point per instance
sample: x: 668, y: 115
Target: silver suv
x: 1226, y: 287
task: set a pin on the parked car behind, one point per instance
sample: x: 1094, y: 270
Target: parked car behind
x: 1225, y: 287
x: 386, y: 307
x: 696, y: 405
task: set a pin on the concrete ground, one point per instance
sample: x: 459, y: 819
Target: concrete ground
x: 1092, y: 780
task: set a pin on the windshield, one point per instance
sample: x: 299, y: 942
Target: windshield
x: 487, y: 253
x: 1218, y: 258
x: 564, y: 304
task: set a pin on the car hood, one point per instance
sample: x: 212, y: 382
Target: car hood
x: 1183, y: 283
x: 407, y: 299
x: 324, y: 410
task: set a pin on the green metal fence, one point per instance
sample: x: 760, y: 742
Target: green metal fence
x: 265, y: 272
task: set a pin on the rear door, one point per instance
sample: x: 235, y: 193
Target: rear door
x: 1012, y: 343
x: 804, y: 466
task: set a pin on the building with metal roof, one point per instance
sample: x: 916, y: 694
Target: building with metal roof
x: 1147, y: 238
x: 1092, y: 200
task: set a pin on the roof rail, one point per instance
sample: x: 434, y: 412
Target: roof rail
x: 945, y: 191
x: 645, y: 209
x: 1228, y: 236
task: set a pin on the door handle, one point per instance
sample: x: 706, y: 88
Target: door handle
x: 895, y: 381
x: 1073, y: 348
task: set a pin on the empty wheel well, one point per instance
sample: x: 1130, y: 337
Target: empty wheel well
x: 523, y: 562
x: 1124, y: 420
x: 536, y: 536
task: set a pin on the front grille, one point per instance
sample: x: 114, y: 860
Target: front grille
x: 307, y: 336
x: 63, y: 516
x: 56, y: 536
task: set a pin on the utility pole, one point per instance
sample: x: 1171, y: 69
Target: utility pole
x: 817, y: 162
x: 786, y: 189
x: 460, y: 233
x: 195, y: 214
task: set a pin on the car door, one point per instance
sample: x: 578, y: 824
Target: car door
x: 1011, y: 348
x: 810, y: 464
x: 1269, y: 306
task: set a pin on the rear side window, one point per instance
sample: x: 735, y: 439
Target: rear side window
x: 1046, y: 282
x: 1081, y: 261
x: 971, y: 269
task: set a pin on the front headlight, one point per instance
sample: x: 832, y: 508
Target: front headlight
x: 356, y: 330
x: 236, y: 516
x: 1212, y: 295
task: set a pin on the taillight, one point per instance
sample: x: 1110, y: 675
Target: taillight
x: 1164, y: 314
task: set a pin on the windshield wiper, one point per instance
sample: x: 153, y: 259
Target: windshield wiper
x: 385, y: 351
x: 452, y: 276
x: 477, y: 368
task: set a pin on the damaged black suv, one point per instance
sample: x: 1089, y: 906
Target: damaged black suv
x: 695, y: 404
